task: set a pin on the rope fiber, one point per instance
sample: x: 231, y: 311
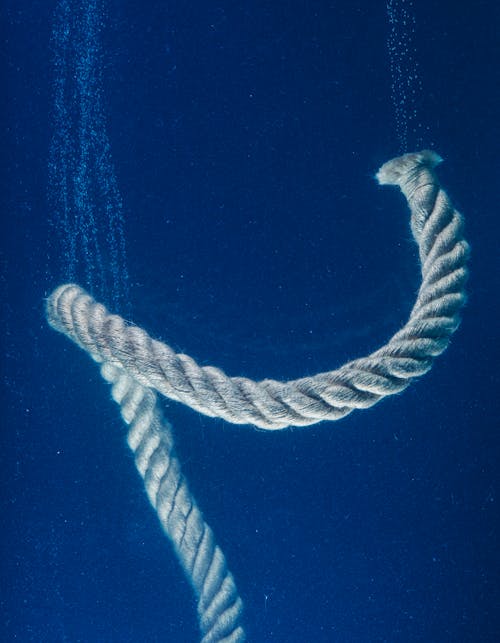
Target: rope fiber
x: 137, y: 365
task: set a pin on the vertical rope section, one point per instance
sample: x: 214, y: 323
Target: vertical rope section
x: 150, y: 439
x: 269, y: 404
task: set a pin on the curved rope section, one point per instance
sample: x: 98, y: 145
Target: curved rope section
x: 150, y: 438
x: 269, y: 404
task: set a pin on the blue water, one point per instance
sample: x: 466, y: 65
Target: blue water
x: 205, y: 169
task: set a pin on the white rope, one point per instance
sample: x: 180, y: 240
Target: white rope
x: 269, y: 404
x: 150, y: 438
x: 136, y: 365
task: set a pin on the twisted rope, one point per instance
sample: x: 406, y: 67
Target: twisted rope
x: 150, y: 439
x: 269, y: 404
x: 135, y: 365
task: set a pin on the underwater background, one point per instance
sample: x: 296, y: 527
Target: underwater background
x: 206, y: 170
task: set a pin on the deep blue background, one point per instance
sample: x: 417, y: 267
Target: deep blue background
x: 245, y: 136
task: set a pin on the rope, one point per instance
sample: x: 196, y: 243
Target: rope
x: 150, y: 439
x: 269, y: 404
x: 136, y: 365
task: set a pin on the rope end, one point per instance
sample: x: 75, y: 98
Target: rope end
x: 395, y: 171
x: 65, y: 293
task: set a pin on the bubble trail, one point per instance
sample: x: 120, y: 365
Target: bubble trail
x: 406, y: 83
x: 87, y: 219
